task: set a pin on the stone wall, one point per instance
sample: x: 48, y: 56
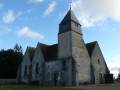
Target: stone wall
x: 38, y: 59
x: 98, y: 63
x: 82, y: 59
x: 7, y: 81
x: 64, y: 45
x: 50, y: 69
x: 77, y: 28
x: 71, y: 44
x: 64, y: 69
x: 26, y: 62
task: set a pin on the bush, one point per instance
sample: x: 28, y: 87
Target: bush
x: 109, y: 78
x: 84, y: 83
x: 35, y: 82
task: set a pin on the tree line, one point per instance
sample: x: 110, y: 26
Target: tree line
x: 9, y: 61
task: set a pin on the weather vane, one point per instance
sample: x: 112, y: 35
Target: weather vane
x: 70, y: 5
x: 119, y: 70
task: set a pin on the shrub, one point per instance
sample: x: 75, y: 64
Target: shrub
x: 35, y: 82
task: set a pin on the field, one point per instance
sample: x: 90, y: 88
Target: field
x: 81, y: 87
x: 100, y: 87
x: 28, y: 87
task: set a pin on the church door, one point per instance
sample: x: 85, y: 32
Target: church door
x: 55, y: 78
x: 100, y: 78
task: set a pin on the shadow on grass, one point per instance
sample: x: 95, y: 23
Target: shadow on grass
x: 32, y: 87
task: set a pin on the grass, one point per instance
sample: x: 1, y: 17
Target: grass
x: 115, y: 86
x: 109, y: 85
x: 28, y: 87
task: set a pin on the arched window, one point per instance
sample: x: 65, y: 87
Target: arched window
x: 98, y: 61
x: 37, y: 68
x: 25, y: 71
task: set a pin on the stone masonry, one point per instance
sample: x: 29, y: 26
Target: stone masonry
x: 71, y: 62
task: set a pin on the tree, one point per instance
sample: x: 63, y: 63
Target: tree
x: 9, y: 62
x: 18, y: 48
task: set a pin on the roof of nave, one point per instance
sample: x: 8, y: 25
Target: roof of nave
x: 90, y: 47
x: 52, y: 52
x: 49, y: 51
x: 31, y: 52
x: 44, y: 48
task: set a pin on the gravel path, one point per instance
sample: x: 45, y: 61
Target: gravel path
x: 100, y: 87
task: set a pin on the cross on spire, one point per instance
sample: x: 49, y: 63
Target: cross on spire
x: 70, y: 5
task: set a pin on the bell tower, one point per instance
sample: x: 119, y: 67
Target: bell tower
x: 68, y: 25
x: 71, y: 45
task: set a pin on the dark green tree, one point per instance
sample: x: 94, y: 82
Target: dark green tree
x: 9, y: 63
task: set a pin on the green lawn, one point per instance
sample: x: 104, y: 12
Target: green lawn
x: 28, y: 87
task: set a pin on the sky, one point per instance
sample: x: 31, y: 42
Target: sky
x: 28, y: 22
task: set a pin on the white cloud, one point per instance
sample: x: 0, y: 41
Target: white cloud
x: 50, y: 9
x: 28, y: 11
x: 8, y: 17
x: 4, y: 30
x: 117, y: 58
x: 19, y: 13
x: 36, y: 1
x: 115, y: 65
x: 1, y: 5
x: 61, y: 15
x: 25, y: 31
x: 92, y: 12
x: 23, y: 12
x: 11, y: 17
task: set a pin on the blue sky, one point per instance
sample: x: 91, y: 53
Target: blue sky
x: 28, y: 22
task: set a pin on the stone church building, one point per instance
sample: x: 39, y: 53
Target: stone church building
x: 70, y: 62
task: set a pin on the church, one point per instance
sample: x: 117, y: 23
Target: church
x: 70, y: 62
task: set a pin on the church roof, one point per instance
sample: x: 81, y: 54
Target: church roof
x: 52, y: 52
x: 49, y: 52
x: 90, y: 47
x: 31, y: 52
x: 43, y: 49
x: 70, y: 17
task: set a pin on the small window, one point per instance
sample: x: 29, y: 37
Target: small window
x: 25, y: 72
x: 40, y: 74
x: 76, y: 24
x: 37, y: 68
x: 64, y: 66
x: 65, y: 24
x: 98, y: 61
x: 73, y: 65
x: 48, y: 66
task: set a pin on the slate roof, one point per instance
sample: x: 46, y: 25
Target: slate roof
x: 52, y: 52
x: 49, y: 52
x: 31, y: 52
x: 44, y: 48
x: 70, y: 17
x: 90, y: 47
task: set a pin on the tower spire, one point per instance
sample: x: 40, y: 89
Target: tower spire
x: 70, y: 23
x: 70, y: 5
